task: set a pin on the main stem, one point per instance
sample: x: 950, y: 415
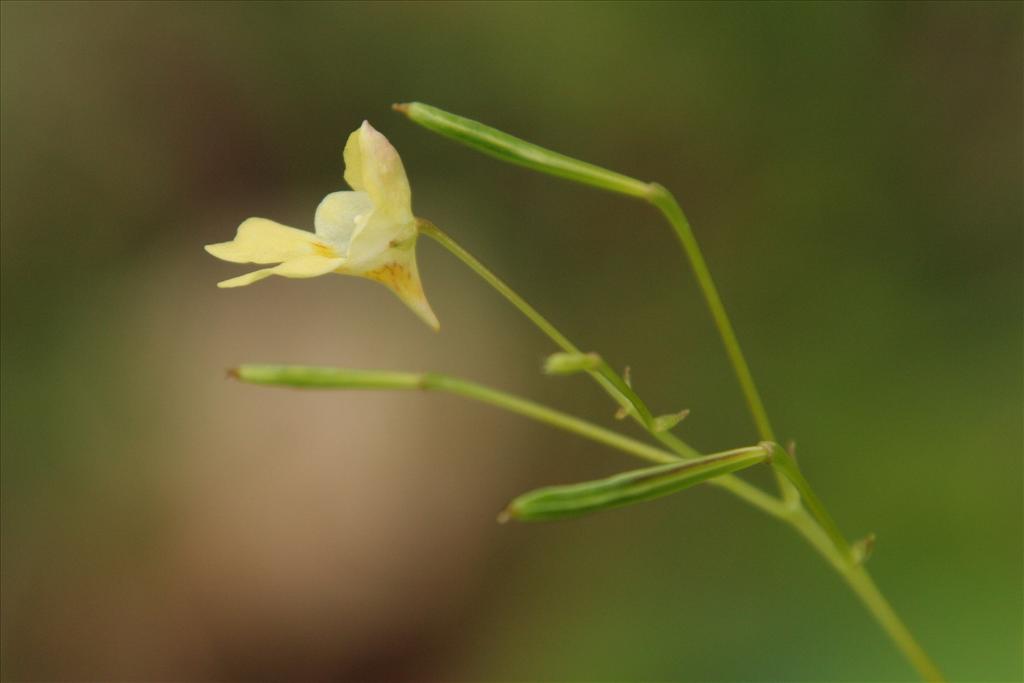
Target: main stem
x: 864, y: 587
x: 820, y: 530
x: 666, y: 203
x: 669, y: 207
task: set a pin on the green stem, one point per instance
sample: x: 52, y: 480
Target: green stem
x: 665, y: 202
x: 339, y: 378
x: 822, y: 534
x: 604, y: 375
x: 305, y: 377
x: 309, y: 377
x: 786, y: 465
x: 547, y: 415
x: 858, y: 579
x: 511, y: 149
x: 821, y: 531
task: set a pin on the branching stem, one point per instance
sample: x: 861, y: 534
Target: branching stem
x: 312, y: 377
x: 817, y: 525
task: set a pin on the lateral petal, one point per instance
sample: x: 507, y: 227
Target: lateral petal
x: 338, y: 215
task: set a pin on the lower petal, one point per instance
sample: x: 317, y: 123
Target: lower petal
x: 301, y: 267
x: 402, y: 277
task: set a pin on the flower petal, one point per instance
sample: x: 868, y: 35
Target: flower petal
x: 300, y: 267
x: 373, y: 239
x: 400, y: 274
x: 373, y: 166
x: 263, y: 241
x: 338, y: 215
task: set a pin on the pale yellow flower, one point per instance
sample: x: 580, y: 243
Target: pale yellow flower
x: 368, y: 232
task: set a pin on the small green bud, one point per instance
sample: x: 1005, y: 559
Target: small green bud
x: 663, y: 423
x: 570, y: 363
x: 863, y: 548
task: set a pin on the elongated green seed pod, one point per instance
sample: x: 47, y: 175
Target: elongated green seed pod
x: 558, y: 502
x: 505, y: 147
x: 312, y: 377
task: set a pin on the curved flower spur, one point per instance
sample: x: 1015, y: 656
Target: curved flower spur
x: 368, y: 232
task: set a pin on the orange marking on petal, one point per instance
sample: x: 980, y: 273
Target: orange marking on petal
x: 395, y: 276
x: 324, y: 250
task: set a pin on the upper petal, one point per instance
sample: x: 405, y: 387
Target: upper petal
x: 338, y: 215
x: 263, y: 241
x: 372, y: 165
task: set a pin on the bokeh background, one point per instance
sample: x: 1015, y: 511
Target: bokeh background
x: 854, y: 172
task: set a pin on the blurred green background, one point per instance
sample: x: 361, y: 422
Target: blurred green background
x: 854, y: 172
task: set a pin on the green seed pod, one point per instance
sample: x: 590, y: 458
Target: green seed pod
x: 311, y: 377
x: 558, y: 502
x: 508, y: 148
